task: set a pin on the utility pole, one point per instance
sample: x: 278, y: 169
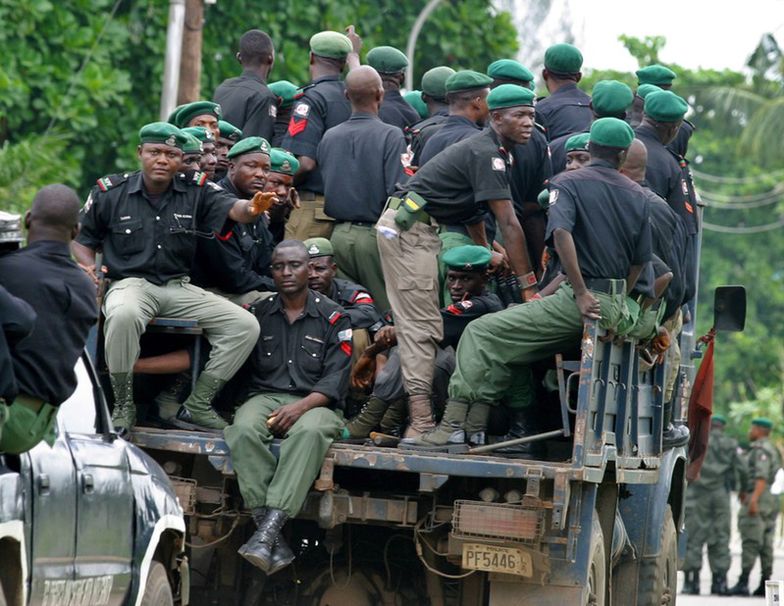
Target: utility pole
x: 190, y: 67
x: 412, y: 39
x: 171, y: 68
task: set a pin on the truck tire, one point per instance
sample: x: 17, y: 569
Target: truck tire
x: 158, y: 592
x: 658, y: 575
x: 596, y: 589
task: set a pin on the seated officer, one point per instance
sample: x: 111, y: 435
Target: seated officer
x: 599, y: 224
x: 192, y: 150
x: 297, y: 378
x: 199, y: 113
x: 147, y: 222
x: 229, y: 135
x: 281, y: 182
x: 209, y: 160
x: 43, y: 275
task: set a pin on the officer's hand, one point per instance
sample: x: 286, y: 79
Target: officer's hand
x: 261, y: 202
x: 283, y: 418
x: 363, y: 372
x: 386, y: 336
x: 90, y: 271
x: 498, y: 262
x: 530, y: 294
x: 753, y: 507
x: 588, y: 306
x: 356, y: 41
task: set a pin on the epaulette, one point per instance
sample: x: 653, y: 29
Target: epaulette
x: 540, y: 127
x: 194, y: 177
x: 107, y: 183
x: 328, y: 308
x: 304, y: 89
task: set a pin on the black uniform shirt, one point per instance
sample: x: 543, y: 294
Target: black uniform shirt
x: 396, y: 111
x: 17, y: 319
x: 608, y: 217
x: 421, y: 132
x: 312, y: 354
x: 238, y: 260
x: 248, y: 104
x: 323, y: 105
x: 530, y: 170
x: 457, y: 315
x: 357, y: 302
x: 147, y: 238
x: 360, y: 164
x: 456, y: 128
x: 63, y: 298
x: 564, y: 112
x: 463, y: 177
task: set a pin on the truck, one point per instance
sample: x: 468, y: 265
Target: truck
x: 596, y: 520
x: 92, y: 520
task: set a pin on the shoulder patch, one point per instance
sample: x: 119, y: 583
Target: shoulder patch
x: 345, y: 335
x: 273, y: 111
x: 88, y: 203
x: 106, y: 183
x: 302, y: 110
x: 334, y: 317
x: 199, y: 179
x: 499, y: 164
x: 553, y: 197
x: 360, y: 296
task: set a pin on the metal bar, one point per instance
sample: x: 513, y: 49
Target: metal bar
x: 517, y: 441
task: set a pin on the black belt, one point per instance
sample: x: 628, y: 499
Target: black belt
x: 357, y: 223
x: 605, y: 285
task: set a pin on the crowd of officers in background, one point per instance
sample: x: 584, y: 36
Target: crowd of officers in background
x: 361, y: 263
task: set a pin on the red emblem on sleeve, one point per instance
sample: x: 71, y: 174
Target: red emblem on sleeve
x: 297, y: 125
x: 345, y: 347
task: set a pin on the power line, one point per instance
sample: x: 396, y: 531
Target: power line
x: 774, y: 193
x: 736, y: 180
x: 737, y: 206
x: 754, y: 229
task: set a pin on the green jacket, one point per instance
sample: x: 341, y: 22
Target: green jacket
x: 763, y: 463
x: 722, y: 467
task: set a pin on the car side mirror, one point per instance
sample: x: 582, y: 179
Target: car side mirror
x: 729, y: 308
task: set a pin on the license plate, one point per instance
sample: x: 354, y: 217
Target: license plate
x: 490, y: 558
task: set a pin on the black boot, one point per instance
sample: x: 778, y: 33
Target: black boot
x: 521, y: 425
x: 742, y: 586
x: 673, y: 435
x: 267, y: 549
x: 691, y: 585
x: 719, y: 584
x: 760, y: 591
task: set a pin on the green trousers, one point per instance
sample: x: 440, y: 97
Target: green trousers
x: 24, y: 428
x: 357, y: 258
x: 449, y: 240
x: 493, y: 347
x: 757, y: 532
x: 131, y: 303
x: 281, y: 483
x: 708, y: 522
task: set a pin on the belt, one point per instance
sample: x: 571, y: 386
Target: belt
x: 34, y: 404
x: 606, y: 285
x: 368, y: 224
x: 309, y: 196
x: 394, y: 203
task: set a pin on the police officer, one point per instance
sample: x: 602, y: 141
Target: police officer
x: 567, y: 109
x: 297, y: 376
x: 283, y: 167
x: 147, y: 223
x: 434, y: 95
x: 599, y: 225
x: 235, y: 263
x: 229, y: 135
x: 246, y: 100
x: 391, y: 65
x: 285, y: 93
x: 414, y: 99
x: 208, y: 163
x: 466, y: 92
x: 323, y: 104
x: 63, y: 297
x: 634, y: 113
x: 360, y: 162
x: 657, y: 75
x: 577, y: 153
x: 199, y: 113
x: 759, y: 508
x: 455, y: 187
x: 708, y: 510
x: 192, y: 150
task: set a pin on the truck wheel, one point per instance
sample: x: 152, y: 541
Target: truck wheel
x: 596, y: 589
x: 658, y: 575
x: 158, y: 591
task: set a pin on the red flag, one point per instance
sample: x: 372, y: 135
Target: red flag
x: 700, y: 411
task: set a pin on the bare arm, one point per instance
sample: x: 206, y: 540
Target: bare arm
x: 85, y: 257
x: 352, y: 60
x: 567, y: 253
x: 306, y: 165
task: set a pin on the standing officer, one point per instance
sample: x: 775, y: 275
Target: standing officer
x: 229, y: 135
x: 246, y: 100
x: 147, y: 222
x: 434, y: 95
x: 600, y: 227
x: 759, y: 508
x: 567, y: 109
x: 391, y: 65
x: 360, y: 162
x: 656, y: 74
x: 577, y: 153
x: 63, y: 297
x: 208, y: 163
x: 297, y: 376
x: 199, y: 113
x: 323, y: 104
x: 285, y: 93
x: 456, y: 187
x: 708, y: 516
x: 414, y: 99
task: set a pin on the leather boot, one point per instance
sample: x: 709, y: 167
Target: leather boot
x: 367, y: 419
x: 672, y: 436
x: 522, y: 424
x: 266, y: 549
x: 420, y: 416
x: 476, y: 424
x: 760, y: 590
x: 168, y: 400
x: 691, y: 585
x: 449, y: 436
x: 124, y: 411
x: 196, y: 412
x: 394, y: 418
x: 719, y: 584
x: 742, y: 586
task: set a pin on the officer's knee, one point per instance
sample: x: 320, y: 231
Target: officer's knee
x: 125, y: 317
x: 239, y: 434
x: 248, y: 327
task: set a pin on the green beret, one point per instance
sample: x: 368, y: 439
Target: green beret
x: 577, y: 142
x: 414, y: 99
x: 387, y: 60
x: 250, y: 145
x: 183, y: 114
x: 563, y: 59
x: 763, y: 422
x: 646, y: 89
x: 333, y: 45
x: 434, y: 81
x: 229, y: 131
x: 319, y: 247
x: 283, y: 162
x: 510, y: 95
x: 285, y: 91
x: 162, y: 132
x: 717, y: 418
x: 202, y: 134
x: 655, y: 74
x: 467, y: 258
x: 665, y: 106
x: 467, y: 80
x: 610, y: 98
x: 192, y: 145
x: 611, y: 132
x: 509, y: 69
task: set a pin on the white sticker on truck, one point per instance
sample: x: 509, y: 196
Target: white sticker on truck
x: 92, y: 591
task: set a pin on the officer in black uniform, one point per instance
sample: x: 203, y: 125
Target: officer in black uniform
x: 391, y: 65
x: 229, y: 135
x: 285, y: 93
x: 246, y: 100
x: 323, y: 104
x: 235, y: 264
x: 434, y: 95
x: 63, y: 298
x: 566, y: 110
